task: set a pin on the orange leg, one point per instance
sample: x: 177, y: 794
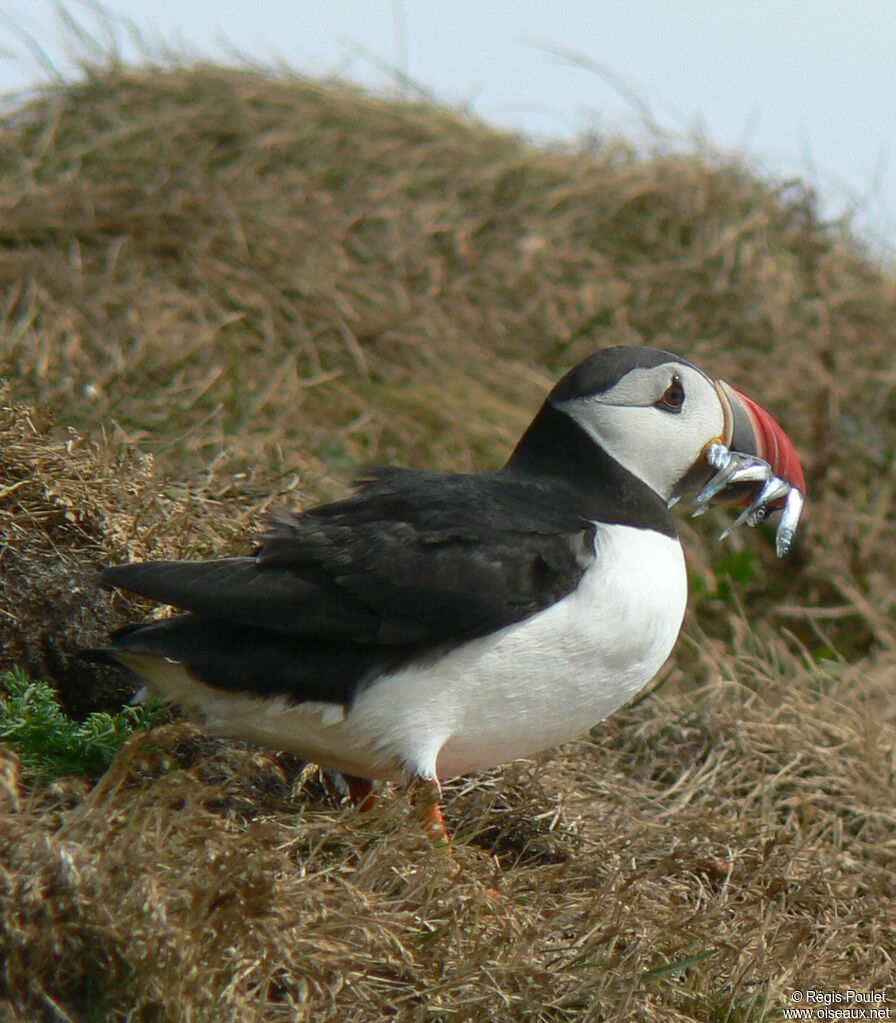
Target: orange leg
x: 426, y: 795
x: 427, y: 801
x: 360, y: 792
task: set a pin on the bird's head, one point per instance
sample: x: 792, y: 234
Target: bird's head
x: 676, y: 429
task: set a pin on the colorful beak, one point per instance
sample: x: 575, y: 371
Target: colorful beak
x: 750, y: 430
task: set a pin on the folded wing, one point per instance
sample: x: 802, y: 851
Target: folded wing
x: 384, y: 567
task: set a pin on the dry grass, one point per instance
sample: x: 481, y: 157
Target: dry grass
x: 235, y: 285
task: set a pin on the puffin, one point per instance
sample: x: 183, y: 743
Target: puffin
x: 433, y: 624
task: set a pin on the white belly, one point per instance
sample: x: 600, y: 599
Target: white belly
x: 534, y: 685
x: 521, y: 690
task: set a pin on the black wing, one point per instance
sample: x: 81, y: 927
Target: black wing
x: 413, y: 558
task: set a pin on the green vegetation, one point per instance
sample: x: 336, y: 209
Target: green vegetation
x: 33, y: 723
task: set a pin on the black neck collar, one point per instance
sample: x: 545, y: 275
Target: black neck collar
x: 555, y: 447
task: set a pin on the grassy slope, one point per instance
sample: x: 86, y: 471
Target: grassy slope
x: 268, y: 283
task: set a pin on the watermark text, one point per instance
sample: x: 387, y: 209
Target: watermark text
x: 846, y: 1004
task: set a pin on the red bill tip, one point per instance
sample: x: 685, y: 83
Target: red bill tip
x: 753, y: 431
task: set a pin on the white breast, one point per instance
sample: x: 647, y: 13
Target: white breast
x: 541, y: 682
x: 518, y: 691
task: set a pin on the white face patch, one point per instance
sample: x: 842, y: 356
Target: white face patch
x: 654, y: 443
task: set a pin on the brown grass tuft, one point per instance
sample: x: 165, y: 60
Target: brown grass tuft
x: 228, y: 285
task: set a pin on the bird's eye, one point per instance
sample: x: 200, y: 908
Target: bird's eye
x: 673, y: 399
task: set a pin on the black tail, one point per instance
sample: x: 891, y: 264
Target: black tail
x: 97, y: 655
x: 106, y: 654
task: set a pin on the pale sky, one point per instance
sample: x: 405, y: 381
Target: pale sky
x: 801, y: 88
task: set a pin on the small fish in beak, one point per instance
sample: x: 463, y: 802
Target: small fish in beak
x: 755, y: 465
